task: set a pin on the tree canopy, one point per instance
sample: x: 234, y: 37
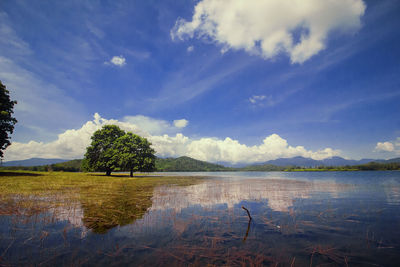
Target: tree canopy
x: 7, y: 122
x: 135, y: 153
x: 114, y: 149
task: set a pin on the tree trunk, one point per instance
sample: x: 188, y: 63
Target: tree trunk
x: 108, y: 172
x: 131, y: 173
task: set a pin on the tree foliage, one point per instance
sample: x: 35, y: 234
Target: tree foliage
x: 135, y: 153
x: 101, y: 154
x: 113, y: 149
x: 7, y: 122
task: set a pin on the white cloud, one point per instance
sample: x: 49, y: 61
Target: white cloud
x: 119, y: 61
x: 190, y: 49
x: 298, y: 28
x: 229, y: 150
x: 170, y: 146
x: 181, y: 123
x: 262, y: 100
x: 384, y: 146
x: 151, y: 125
x: 256, y: 98
x: 392, y: 146
x: 147, y: 124
x: 72, y: 144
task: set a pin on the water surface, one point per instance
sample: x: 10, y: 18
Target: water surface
x: 298, y: 219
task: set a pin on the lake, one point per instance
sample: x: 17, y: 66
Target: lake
x: 298, y: 219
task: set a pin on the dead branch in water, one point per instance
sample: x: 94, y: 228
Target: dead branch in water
x: 248, y: 213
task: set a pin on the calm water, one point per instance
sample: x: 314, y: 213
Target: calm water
x: 299, y: 219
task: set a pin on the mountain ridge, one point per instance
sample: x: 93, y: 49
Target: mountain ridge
x: 33, y: 162
x: 309, y: 162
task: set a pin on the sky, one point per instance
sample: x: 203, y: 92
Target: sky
x: 218, y: 80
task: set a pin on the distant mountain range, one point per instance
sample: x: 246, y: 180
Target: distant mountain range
x: 33, y: 162
x: 189, y: 164
x: 308, y: 162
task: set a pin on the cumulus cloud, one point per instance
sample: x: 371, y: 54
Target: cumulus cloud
x: 68, y: 145
x: 119, y: 61
x: 229, y: 150
x: 181, y: 123
x: 151, y: 125
x: 298, y: 28
x: 389, y: 146
x: 384, y: 146
x: 72, y: 144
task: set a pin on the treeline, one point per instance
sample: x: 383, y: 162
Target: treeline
x: 371, y: 166
x: 374, y: 166
x: 68, y: 166
x: 262, y: 168
x: 191, y: 165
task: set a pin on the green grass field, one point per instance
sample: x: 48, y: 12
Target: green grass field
x: 106, y: 201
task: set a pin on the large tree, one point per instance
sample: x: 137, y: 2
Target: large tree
x: 113, y: 149
x: 101, y: 154
x: 135, y: 153
x: 7, y: 122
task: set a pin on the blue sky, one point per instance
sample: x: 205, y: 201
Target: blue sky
x: 231, y: 89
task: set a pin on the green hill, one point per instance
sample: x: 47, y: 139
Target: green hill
x: 186, y: 164
x: 262, y: 168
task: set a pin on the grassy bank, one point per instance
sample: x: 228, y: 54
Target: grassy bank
x: 105, y: 202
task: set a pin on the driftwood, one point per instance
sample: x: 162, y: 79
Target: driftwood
x: 247, y: 232
x: 248, y: 213
x: 248, y: 225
